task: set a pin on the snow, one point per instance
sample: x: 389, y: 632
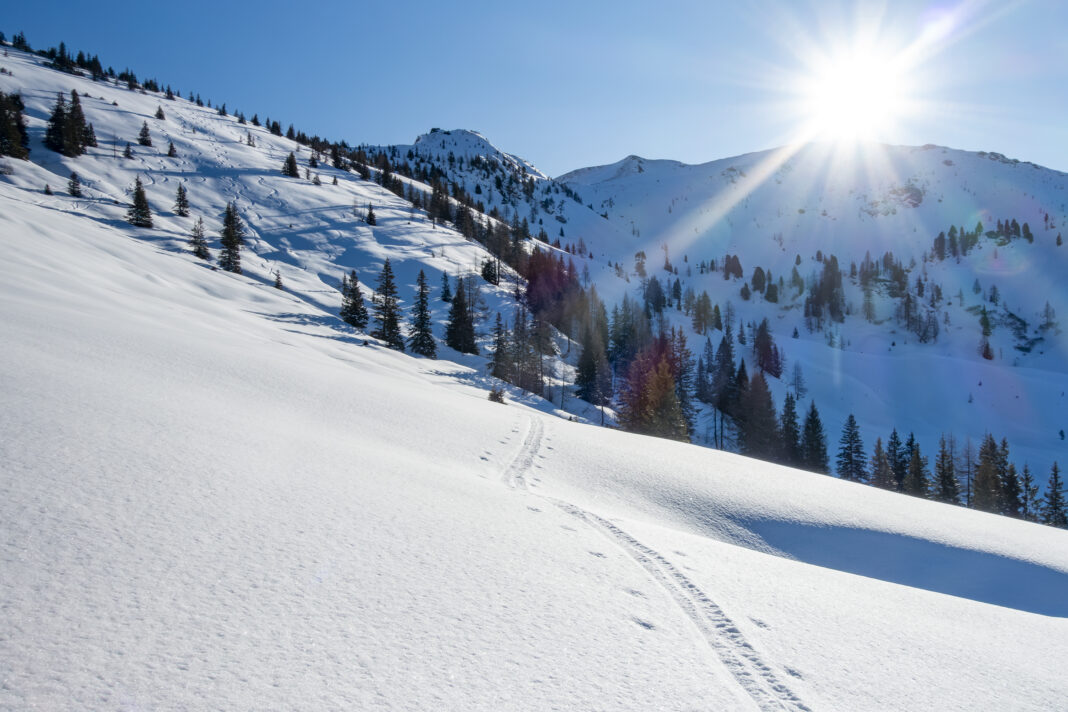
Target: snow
x: 214, y: 494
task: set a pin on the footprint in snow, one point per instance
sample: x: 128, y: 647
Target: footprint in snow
x: 598, y: 554
x: 759, y: 623
x: 644, y: 624
x: 533, y: 509
x: 635, y: 593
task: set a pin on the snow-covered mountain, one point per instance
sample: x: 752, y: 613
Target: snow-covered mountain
x: 215, y: 494
x: 781, y: 210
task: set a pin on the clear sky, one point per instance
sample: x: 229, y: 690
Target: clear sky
x: 572, y: 84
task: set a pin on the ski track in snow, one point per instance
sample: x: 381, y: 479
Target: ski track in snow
x: 734, y: 651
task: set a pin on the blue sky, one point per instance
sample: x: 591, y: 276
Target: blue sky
x: 567, y: 85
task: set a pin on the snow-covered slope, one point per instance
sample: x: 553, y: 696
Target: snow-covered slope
x: 780, y: 209
x: 211, y: 496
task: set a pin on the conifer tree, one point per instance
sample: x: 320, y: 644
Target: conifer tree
x: 790, y: 432
x: 1010, y: 493
x: 289, y: 166
x: 760, y: 429
x: 144, y: 138
x: 916, y: 479
x: 813, y: 442
x: 13, y: 137
x: 139, y: 214
x: 851, y: 463
x: 881, y: 475
x: 387, y: 310
x: 1054, y: 509
x: 370, y: 218
x: 1031, y: 501
x: 47, y: 189
x: 55, y: 133
x: 232, y: 236
x: 446, y: 290
x: 74, y: 185
x: 460, y: 330
x: 159, y: 113
x: 278, y: 280
x: 987, y: 486
x: 421, y: 340
x: 501, y: 364
x: 353, y: 311
x: 898, y: 459
x: 172, y: 152
x: 181, y: 202
x: 197, y: 242
x: 128, y: 151
x: 947, y: 489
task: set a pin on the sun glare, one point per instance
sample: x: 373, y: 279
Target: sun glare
x: 854, y: 96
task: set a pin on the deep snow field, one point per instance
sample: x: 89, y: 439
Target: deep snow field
x: 215, y: 495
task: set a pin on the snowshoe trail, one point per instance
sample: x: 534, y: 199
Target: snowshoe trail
x: 735, y: 652
x: 515, y: 475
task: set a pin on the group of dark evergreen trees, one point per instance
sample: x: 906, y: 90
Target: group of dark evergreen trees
x: 14, y: 141
x: 989, y: 482
x: 68, y: 132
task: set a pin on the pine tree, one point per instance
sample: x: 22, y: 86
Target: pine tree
x: 232, y: 236
x: 159, y: 113
x: 947, y: 489
x: 197, y: 242
x: 851, y: 463
x: 916, y: 479
x: 813, y: 442
x: 144, y: 138
x: 1010, y: 483
x: 1054, y: 510
x: 139, y: 214
x: 278, y: 280
x: 881, y: 475
x: 55, y: 133
x: 1031, y: 500
x: 370, y: 218
x: 460, y: 330
x: 128, y: 151
x: 387, y: 310
x: 353, y: 311
x: 181, y: 202
x: 172, y: 152
x: 790, y: 432
x: 421, y: 340
x: 501, y: 364
x: 74, y: 186
x: 289, y: 166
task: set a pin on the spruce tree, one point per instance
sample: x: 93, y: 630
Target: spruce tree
x: 13, y: 137
x: 760, y: 429
x: 181, y: 202
x: 790, y: 432
x: 987, y: 486
x: 353, y: 311
x: 128, y: 151
x: 55, y: 133
x: 387, y: 310
x: 1054, y: 509
x: 851, y: 463
x: 278, y: 280
x: 139, y: 214
x: 881, y: 475
x: 460, y: 330
x: 197, y: 242
x: 947, y: 489
x: 421, y: 340
x: 370, y: 218
x: 172, y: 152
x: 232, y: 236
x: 74, y: 186
x: 144, y: 138
x: 1031, y: 500
x: 813, y: 442
x: 916, y: 479
x: 159, y: 113
x: 1010, y: 495
x: 446, y: 290
x: 501, y: 364
x: 898, y: 459
x: 289, y: 166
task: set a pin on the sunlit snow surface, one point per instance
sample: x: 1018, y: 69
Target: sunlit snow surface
x: 214, y: 496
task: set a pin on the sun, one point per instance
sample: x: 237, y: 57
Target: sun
x: 857, y: 95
